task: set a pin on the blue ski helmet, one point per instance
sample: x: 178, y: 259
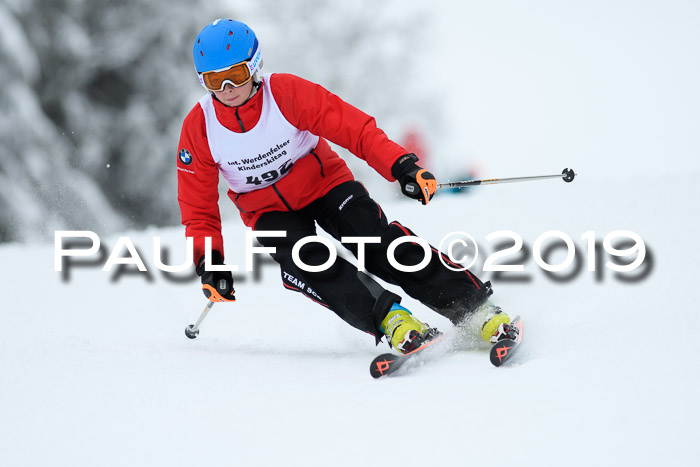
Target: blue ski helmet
x: 223, y: 43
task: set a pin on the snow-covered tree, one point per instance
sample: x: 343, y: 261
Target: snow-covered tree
x: 94, y: 94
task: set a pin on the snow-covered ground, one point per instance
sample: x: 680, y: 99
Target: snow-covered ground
x: 98, y: 371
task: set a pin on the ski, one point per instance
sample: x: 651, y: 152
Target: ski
x: 503, y: 350
x: 388, y: 363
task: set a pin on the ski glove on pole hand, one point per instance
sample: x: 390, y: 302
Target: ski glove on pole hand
x: 216, y: 285
x: 416, y: 182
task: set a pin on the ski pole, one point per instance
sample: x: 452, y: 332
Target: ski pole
x: 567, y: 175
x: 192, y: 331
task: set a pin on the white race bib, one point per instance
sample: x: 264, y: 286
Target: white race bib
x: 262, y: 155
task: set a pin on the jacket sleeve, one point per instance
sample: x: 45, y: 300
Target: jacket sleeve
x: 311, y: 107
x: 197, y: 185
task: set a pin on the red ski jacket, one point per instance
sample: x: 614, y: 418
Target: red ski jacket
x: 305, y: 105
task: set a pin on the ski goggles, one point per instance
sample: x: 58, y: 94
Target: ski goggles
x: 237, y: 75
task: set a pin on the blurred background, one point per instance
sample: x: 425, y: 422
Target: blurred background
x: 93, y: 93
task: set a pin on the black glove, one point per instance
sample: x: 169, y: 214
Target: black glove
x: 416, y: 182
x: 216, y: 285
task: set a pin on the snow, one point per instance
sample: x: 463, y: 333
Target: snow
x: 602, y: 86
x: 97, y: 368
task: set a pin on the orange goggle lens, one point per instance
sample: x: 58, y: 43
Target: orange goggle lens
x: 237, y: 75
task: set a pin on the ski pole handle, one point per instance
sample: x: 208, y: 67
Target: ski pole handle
x: 567, y: 175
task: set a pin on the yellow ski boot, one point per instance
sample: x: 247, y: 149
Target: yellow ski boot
x: 495, y: 323
x: 403, y: 331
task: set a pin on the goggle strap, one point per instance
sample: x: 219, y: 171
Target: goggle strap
x: 254, y: 61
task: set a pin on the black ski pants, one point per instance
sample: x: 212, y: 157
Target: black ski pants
x: 348, y: 211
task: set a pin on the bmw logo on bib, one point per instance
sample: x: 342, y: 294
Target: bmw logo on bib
x: 185, y: 156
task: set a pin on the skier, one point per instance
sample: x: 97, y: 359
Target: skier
x: 268, y: 135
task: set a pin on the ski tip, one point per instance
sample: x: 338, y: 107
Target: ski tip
x: 501, y: 351
x: 382, y: 365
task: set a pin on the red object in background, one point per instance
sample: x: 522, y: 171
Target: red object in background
x: 414, y: 141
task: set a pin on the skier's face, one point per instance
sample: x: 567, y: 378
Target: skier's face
x: 233, y: 97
